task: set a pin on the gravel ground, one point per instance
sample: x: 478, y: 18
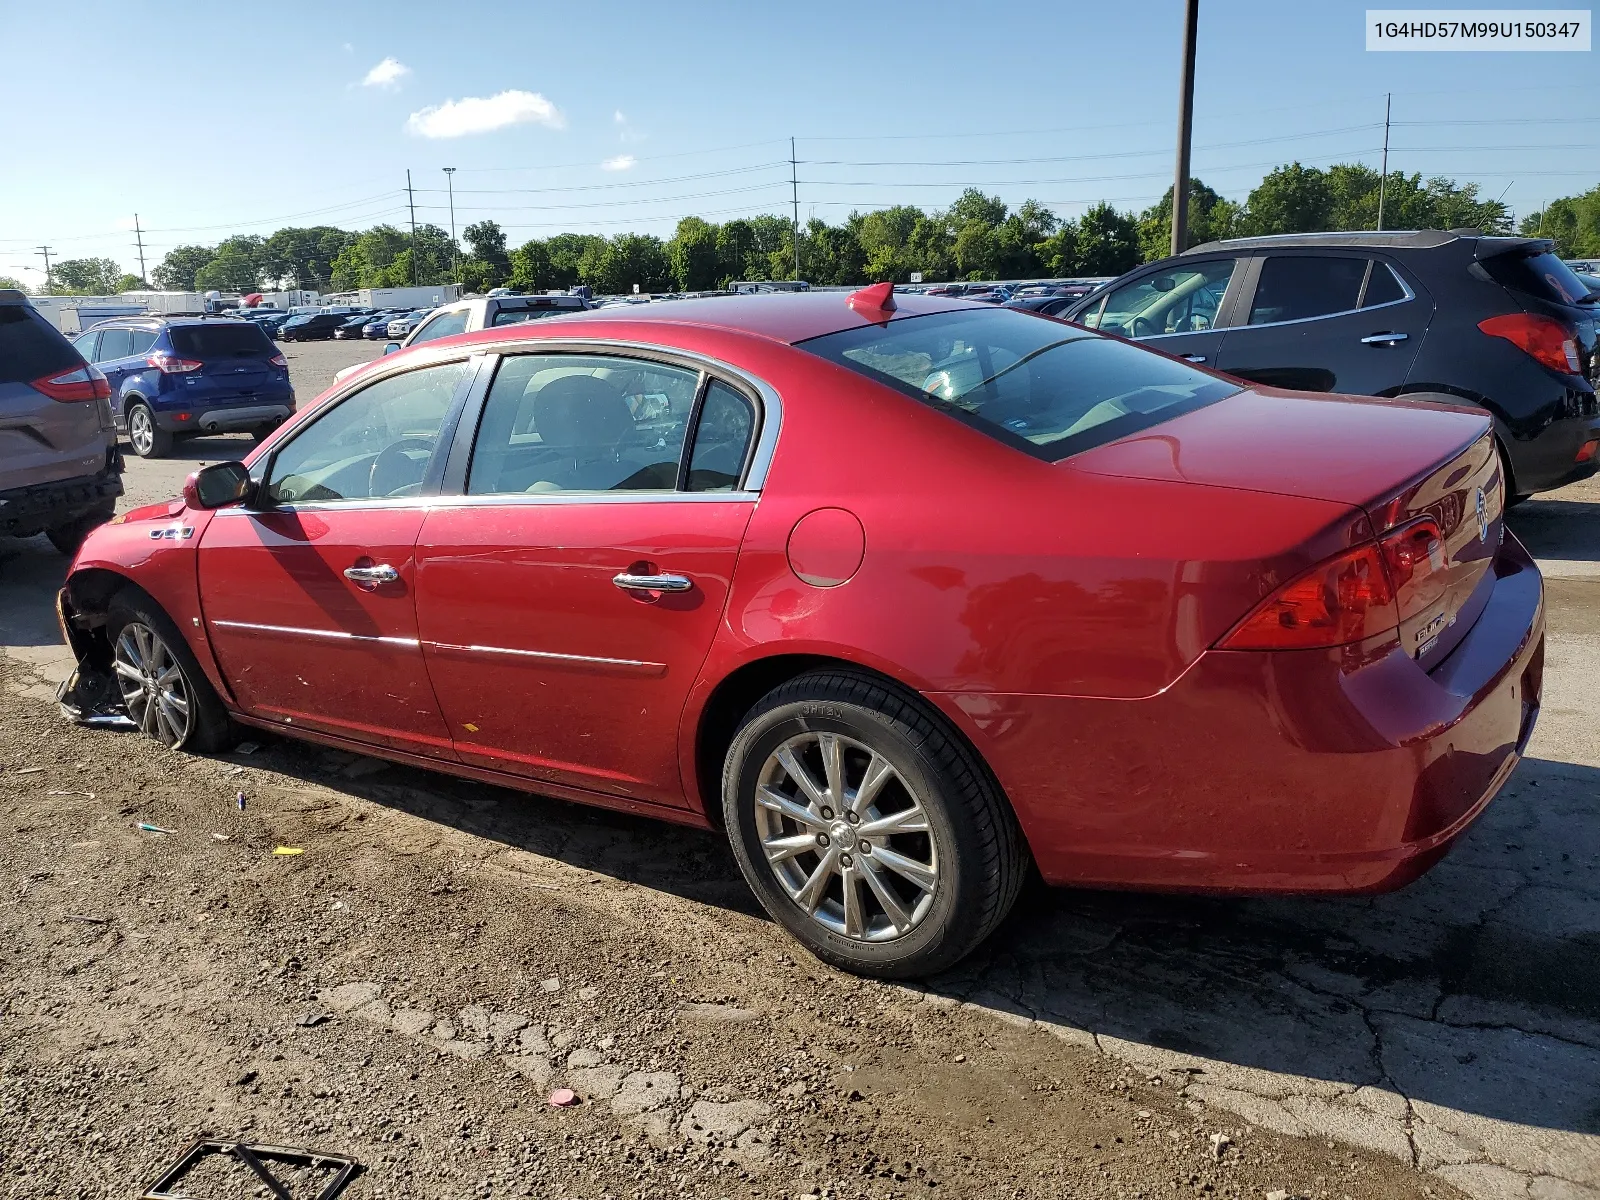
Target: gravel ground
x: 411, y: 987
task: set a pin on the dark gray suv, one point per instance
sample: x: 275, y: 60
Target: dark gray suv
x: 60, y: 470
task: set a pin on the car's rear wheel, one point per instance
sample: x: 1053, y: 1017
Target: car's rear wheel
x: 67, y: 538
x: 162, y: 686
x: 867, y: 828
x: 147, y: 438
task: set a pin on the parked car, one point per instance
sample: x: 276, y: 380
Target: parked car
x: 173, y: 378
x: 481, y: 312
x: 619, y: 559
x: 311, y: 327
x: 60, y: 471
x: 405, y: 323
x: 268, y: 320
x: 1494, y: 324
x: 378, y: 327
x: 1050, y: 303
x: 352, y: 326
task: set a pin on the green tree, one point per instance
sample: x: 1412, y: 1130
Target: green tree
x: 973, y: 206
x: 491, y: 265
x: 85, y: 277
x: 130, y: 283
x: 568, y: 252
x: 14, y: 285
x: 1572, y: 222
x: 1108, y: 241
x: 633, y: 258
x: 530, y: 267
x: 177, y: 270
x: 831, y: 254
x: 1291, y: 199
x: 1058, y: 253
x: 693, y: 255
x: 304, y: 257
x: 363, y: 262
x: 1210, y: 219
x: 886, y: 241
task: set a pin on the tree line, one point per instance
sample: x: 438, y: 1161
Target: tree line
x: 977, y: 237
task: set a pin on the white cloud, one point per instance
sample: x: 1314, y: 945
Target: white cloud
x: 622, y: 162
x: 483, y: 114
x: 386, y: 74
x: 619, y: 118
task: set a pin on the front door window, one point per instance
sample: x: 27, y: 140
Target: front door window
x: 1180, y: 299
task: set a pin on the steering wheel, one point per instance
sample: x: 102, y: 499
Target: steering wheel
x: 1142, y: 327
x: 392, y: 470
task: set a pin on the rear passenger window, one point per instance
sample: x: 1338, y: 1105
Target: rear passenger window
x: 1293, y: 288
x: 114, y: 343
x: 141, y: 341
x: 1382, y: 287
x: 721, y: 440
x: 30, y: 347
x: 582, y: 423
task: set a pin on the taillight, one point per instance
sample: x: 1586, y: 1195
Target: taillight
x: 171, y: 364
x: 84, y: 383
x: 1344, y: 600
x: 278, y: 360
x: 1586, y: 451
x: 1362, y: 593
x: 1544, y: 338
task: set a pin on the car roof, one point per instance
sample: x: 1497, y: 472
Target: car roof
x: 787, y: 317
x: 1395, y: 239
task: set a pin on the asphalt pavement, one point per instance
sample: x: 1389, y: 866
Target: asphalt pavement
x: 1454, y: 1025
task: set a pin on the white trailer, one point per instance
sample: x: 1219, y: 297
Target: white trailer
x: 399, y: 297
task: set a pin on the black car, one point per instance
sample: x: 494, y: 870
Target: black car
x: 1052, y: 303
x: 311, y: 327
x: 1499, y: 323
x: 353, y: 324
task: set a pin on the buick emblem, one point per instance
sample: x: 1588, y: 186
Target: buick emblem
x: 1483, y: 515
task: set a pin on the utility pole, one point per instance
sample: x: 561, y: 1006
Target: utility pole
x: 794, y: 188
x: 1180, y: 177
x: 138, y: 235
x: 455, y: 262
x: 411, y: 202
x: 1383, y: 174
x: 49, y: 281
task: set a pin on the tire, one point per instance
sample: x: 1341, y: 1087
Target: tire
x: 145, y: 639
x: 957, y: 870
x: 147, y: 438
x: 1512, y: 497
x: 67, y: 538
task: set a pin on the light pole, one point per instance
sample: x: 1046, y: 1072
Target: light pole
x: 450, y: 185
x: 1180, y: 180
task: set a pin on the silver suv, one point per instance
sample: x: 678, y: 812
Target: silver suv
x: 480, y: 312
x: 60, y: 470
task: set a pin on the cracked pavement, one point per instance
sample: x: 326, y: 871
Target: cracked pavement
x: 1454, y: 1025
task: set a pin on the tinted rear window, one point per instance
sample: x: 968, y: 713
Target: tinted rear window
x: 221, y: 341
x: 1542, y: 276
x: 516, y: 316
x: 30, y: 347
x: 1045, y: 388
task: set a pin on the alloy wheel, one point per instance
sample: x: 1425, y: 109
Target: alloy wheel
x: 141, y: 432
x: 152, y: 684
x: 846, y: 836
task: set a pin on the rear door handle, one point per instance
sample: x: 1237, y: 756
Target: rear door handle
x: 371, y: 576
x: 1383, y: 339
x: 652, y: 583
x: 1195, y: 358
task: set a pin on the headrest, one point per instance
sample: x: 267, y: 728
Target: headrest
x: 580, y: 410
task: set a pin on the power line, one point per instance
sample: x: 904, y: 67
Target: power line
x: 620, y: 183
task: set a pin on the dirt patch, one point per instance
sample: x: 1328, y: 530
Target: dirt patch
x: 411, y: 987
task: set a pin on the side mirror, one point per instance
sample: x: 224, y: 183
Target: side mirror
x: 219, y: 484
x: 391, y: 347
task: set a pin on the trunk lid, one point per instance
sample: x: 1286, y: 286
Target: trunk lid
x: 235, y: 354
x: 1399, y: 461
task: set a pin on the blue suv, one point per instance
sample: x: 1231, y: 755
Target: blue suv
x: 180, y: 377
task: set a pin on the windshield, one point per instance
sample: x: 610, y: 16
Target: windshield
x: 1543, y: 276
x: 1042, y: 386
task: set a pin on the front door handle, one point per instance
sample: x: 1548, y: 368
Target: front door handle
x: 1383, y: 339
x: 652, y: 583
x: 1195, y: 358
x: 371, y: 576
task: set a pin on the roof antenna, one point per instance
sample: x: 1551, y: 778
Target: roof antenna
x: 879, y: 297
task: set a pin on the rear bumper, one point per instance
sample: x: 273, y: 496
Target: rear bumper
x: 231, y: 419
x: 29, y: 510
x: 1284, y: 772
x: 1548, y: 460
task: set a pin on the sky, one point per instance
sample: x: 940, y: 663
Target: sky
x: 208, y: 120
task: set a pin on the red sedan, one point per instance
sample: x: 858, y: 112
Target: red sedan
x: 904, y: 593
